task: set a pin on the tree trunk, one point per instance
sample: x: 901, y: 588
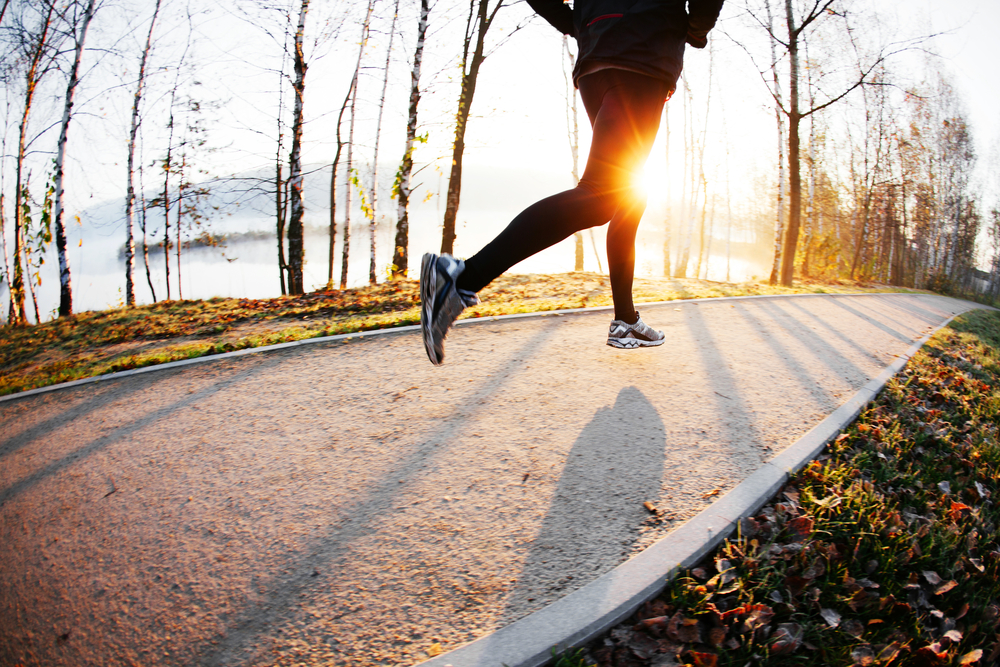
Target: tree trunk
x: 779, y: 225
x: 470, y: 74
x: 350, y: 147
x: 400, y: 253
x: 145, y: 245
x: 33, y: 74
x: 65, y: 287
x: 280, y: 204
x: 295, y: 204
x: 130, y: 189
x: 373, y: 222
x: 794, y: 173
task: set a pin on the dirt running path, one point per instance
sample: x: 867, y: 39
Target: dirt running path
x: 350, y: 504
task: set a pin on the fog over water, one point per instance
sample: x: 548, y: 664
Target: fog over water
x: 245, y: 265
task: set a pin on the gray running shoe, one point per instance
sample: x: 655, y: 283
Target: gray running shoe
x: 440, y: 301
x: 628, y: 336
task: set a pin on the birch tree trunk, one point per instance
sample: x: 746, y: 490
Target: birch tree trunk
x: 65, y: 287
x: 280, y: 203
x: 295, y: 204
x: 350, y: 147
x: 33, y: 73
x: 400, y: 253
x: 779, y: 225
x: 373, y: 222
x: 333, y: 180
x: 145, y: 245
x: 130, y: 189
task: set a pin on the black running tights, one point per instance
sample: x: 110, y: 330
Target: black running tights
x: 624, y: 109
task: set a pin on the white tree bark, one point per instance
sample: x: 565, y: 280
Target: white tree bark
x: 400, y: 255
x: 130, y: 192
x: 65, y: 286
x: 373, y: 221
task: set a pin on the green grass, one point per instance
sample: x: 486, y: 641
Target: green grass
x: 97, y: 342
x: 885, y: 550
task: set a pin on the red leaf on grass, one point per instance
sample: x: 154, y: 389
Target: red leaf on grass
x: 786, y: 639
x: 955, y: 513
x: 800, y: 528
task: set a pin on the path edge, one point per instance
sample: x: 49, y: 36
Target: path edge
x: 209, y: 358
x: 584, y: 614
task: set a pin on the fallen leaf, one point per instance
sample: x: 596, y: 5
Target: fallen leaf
x: 704, y: 659
x: 831, y: 617
x: 971, y: 657
x: 689, y: 631
x: 800, y: 527
x: 643, y: 646
x: 853, y: 628
x: 434, y: 650
x: 945, y: 587
x: 786, y: 639
x: 890, y: 652
x: 713, y: 492
x: 716, y: 636
x: 954, y: 635
x: 863, y: 655
x: 945, y: 487
x: 955, y: 513
x: 932, y: 577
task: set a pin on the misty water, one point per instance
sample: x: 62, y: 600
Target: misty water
x: 246, y: 265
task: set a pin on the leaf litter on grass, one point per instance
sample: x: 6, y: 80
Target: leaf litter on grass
x: 98, y: 342
x: 885, y: 550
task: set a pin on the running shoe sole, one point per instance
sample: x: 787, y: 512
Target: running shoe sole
x: 428, y: 290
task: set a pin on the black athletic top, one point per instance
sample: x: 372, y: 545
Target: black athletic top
x: 645, y: 36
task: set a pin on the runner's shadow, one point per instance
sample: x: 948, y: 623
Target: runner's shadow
x: 615, y: 465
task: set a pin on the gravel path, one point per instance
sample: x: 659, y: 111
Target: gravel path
x: 350, y: 504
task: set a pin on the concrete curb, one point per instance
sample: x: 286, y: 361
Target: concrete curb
x: 378, y: 332
x: 582, y: 615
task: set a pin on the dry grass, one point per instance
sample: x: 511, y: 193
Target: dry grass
x: 97, y: 342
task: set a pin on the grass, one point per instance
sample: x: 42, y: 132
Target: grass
x: 883, y: 551
x: 98, y: 342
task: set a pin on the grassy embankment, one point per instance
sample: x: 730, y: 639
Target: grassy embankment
x: 97, y: 342
x: 884, y: 551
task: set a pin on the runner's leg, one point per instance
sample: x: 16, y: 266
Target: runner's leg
x: 624, y: 110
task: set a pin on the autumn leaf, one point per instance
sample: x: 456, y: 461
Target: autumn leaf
x: 434, y: 650
x: 831, y: 617
x: 955, y: 513
x: 932, y: 577
x: 703, y: 659
x: 945, y: 587
x: 786, y: 639
x: 971, y: 657
x: 863, y: 655
x: 800, y: 527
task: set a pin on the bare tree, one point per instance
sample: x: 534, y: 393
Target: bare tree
x: 798, y: 22
x: 295, y: 204
x: 130, y: 189
x: 36, y: 47
x: 65, y: 287
x: 400, y: 254
x: 373, y: 197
